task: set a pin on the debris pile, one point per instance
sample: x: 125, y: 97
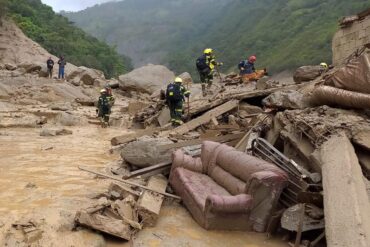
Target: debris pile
x: 122, y: 211
x: 315, y: 144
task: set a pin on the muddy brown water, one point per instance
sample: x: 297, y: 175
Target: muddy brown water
x: 39, y: 176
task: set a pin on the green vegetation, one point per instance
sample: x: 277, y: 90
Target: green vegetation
x: 60, y: 37
x: 3, y: 9
x: 284, y: 34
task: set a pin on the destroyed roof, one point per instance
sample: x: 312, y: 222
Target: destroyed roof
x: 348, y: 20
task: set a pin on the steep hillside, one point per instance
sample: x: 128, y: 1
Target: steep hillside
x: 283, y: 33
x: 58, y: 36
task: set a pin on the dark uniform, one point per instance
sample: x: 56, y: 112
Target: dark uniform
x: 246, y: 67
x: 205, y: 65
x: 175, y: 97
x: 105, y: 104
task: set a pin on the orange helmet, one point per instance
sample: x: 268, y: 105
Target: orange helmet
x: 252, y: 59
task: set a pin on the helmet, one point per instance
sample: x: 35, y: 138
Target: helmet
x: 178, y: 80
x: 325, y: 65
x: 103, y: 91
x: 208, y: 51
x: 252, y: 59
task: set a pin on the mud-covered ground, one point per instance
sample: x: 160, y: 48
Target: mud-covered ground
x: 40, y: 182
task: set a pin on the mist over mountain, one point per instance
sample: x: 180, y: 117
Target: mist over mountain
x: 283, y: 34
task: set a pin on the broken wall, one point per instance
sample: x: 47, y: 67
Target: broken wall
x: 350, y: 38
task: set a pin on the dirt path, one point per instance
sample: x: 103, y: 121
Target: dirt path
x: 39, y: 180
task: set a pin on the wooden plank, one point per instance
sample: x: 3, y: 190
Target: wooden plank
x: 149, y: 205
x: 206, y: 117
x: 224, y: 138
x: 129, y: 183
x: 242, y: 145
x: 148, y: 169
x: 105, y: 224
x: 346, y: 203
x: 129, y: 137
x: 214, y: 121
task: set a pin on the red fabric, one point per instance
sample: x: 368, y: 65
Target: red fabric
x: 229, y: 204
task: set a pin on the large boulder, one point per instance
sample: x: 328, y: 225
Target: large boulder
x: 307, y: 73
x: 145, y: 152
x: 289, y: 99
x: 85, y: 75
x: 147, y: 79
x: 30, y: 67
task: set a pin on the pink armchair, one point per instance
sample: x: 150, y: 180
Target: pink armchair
x: 226, y: 189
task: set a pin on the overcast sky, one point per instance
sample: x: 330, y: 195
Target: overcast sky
x: 72, y: 5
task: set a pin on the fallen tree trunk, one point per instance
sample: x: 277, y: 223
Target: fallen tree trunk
x: 347, y: 207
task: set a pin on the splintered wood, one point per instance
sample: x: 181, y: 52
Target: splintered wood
x: 149, y: 203
x: 105, y: 224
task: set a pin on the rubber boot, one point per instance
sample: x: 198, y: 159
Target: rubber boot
x: 204, y: 90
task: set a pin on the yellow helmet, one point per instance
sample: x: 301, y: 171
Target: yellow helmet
x: 103, y: 91
x: 325, y: 65
x: 178, y: 80
x: 208, y: 51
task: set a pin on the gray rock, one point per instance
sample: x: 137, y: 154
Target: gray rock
x: 55, y: 132
x: 43, y: 72
x: 67, y: 106
x: 31, y: 67
x: 307, y: 73
x: 67, y: 119
x: 144, y: 152
x: 10, y: 66
x: 147, y: 79
x: 85, y: 75
x: 289, y: 99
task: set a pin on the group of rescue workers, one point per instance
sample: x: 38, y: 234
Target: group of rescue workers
x: 176, y: 93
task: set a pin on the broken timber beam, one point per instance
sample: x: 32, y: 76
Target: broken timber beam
x: 206, y: 117
x: 149, y: 169
x: 123, y: 139
x: 225, y: 138
x: 149, y: 205
x: 105, y: 224
x: 243, y: 143
x: 129, y: 183
x: 346, y: 203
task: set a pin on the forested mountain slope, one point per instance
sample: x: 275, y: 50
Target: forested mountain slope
x: 283, y: 34
x: 58, y: 36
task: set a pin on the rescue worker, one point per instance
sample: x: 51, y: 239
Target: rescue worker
x: 175, y: 97
x: 110, y: 95
x: 50, y: 66
x: 324, y: 66
x: 104, y: 107
x: 246, y: 67
x: 205, y: 66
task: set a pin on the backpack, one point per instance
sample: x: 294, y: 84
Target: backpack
x: 201, y: 63
x: 173, y: 92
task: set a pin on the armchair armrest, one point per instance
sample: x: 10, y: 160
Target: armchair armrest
x: 268, y: 178
x: 179, y: 159
x: 229, y: 204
